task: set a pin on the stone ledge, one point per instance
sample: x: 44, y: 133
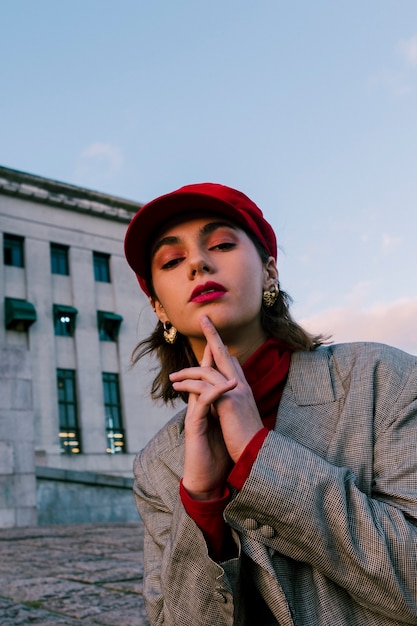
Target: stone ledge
x: 66, y: 196
x: 85, y: 478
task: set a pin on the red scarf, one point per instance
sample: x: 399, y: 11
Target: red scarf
x: 266, y: 371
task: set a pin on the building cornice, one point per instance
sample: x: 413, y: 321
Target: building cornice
x: 58, y: 194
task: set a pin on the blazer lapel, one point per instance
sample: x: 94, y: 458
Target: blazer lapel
x: 310, y: 405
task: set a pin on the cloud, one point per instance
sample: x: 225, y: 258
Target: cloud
x: 390, y: 243
x: 395, y: 82
x: 97, y: 163
x: 359, y: 293
x: 105, y: 152
x: 394, y: 323
x: 408, y: 50
x: 399, y: 82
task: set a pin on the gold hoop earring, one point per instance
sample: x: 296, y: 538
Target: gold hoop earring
x: 170, y: 333
x: 269, y: 297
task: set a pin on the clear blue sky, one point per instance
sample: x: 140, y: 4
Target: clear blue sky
x: 308, y: 107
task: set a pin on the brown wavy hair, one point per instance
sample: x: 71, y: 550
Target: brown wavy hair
x: 276, y: 321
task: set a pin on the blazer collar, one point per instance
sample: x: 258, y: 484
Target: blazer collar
x: 310, y: 405
x: 311, y: 378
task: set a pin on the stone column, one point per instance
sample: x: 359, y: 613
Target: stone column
x: 17, y: 458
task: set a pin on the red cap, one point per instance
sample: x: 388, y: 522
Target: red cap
x: 211, y: 197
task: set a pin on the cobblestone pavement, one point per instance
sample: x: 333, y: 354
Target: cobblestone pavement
x: 85, y: 575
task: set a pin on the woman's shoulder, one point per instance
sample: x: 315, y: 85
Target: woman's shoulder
x: 360, y: 349
x: 367, y: 357
x: 158, y: 467
x: 169, y: 437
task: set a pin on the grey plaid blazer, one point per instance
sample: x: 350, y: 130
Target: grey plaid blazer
x: 326, y: 524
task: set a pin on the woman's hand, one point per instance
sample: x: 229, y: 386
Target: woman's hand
x: 206, y: 461
x: 221, y: 418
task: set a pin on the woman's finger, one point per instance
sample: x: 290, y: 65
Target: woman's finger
x: 220, y: 354
x: 206, y: 393
x: 207, y: 360
x: 206, y: 374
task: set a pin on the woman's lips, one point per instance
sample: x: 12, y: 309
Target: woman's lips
x: 207, y: 292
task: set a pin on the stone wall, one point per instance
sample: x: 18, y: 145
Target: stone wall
x: 73, y: 497
x: 17, y: 459
x: 43, y: 496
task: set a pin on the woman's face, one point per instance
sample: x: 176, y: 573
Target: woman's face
x: 209, y: 266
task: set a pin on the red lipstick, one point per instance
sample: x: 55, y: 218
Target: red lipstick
x: 207, y: 292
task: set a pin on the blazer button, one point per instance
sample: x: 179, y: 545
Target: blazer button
x: 250, y: 524
x: 267, y: 531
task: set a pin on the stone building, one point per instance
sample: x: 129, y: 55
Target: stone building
x: 71, y: 312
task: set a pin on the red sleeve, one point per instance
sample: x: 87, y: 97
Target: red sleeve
x: 208, y: 515
x: 243, y: 466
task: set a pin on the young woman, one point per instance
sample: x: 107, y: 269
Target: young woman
x: 286, y: 492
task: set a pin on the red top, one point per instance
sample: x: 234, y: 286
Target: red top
x: 266, y: 372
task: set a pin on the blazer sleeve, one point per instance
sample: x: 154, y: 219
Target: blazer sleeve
x: 315, y: 512
x: 183, y: 586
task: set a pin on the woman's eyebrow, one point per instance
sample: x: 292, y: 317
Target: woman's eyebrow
x: 209, y: 228
x: 170, y: 240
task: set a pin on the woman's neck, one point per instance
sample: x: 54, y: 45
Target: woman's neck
x: 241, y: 350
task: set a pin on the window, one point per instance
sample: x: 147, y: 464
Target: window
x: 69, y: 432
x: 13, y: 250
x: 101, y: 267
x: 64, y: 320
x: 18, y: 314
x: 59, y: 259
x: 108, y: 325
x: 114, y: 426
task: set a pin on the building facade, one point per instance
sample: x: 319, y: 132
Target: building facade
x: 72, y: 307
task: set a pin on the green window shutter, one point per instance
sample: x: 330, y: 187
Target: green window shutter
x: 19, y: 314
x: 108, y: 325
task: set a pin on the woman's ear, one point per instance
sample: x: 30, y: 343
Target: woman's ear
x: 158, y: 310
x: 271, y: 273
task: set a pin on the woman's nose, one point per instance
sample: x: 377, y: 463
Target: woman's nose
x: 199, y: 264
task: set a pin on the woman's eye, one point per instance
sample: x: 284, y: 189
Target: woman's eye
x: 224, y: 245
x: 171, y: 263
